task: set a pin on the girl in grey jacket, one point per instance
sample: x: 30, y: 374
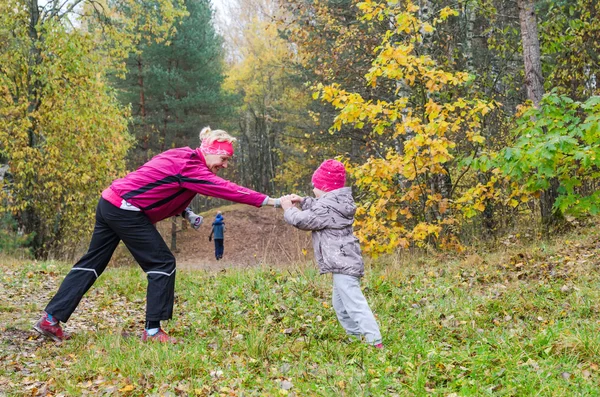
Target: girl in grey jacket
x: 330, y: 217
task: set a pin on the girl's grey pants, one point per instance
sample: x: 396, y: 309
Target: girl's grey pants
x: 352, y: 309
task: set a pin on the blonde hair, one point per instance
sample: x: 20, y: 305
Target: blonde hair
x: 215, y: 135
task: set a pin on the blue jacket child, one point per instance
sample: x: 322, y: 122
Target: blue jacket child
x: 218, y: 231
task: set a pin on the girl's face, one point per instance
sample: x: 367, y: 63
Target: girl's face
x: 215, y: 162
x: 318, y: 192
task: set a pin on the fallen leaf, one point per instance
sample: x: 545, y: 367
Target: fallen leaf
x: 126, y: 389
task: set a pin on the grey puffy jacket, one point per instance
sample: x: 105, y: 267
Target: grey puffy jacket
x: 330, y: 219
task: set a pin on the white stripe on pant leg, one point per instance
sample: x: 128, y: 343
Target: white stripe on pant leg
x: 87, y: 270
x: 163, y: 273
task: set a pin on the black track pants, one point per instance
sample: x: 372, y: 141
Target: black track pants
x: 145, y: 244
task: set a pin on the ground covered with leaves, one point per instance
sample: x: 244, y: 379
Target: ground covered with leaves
x: 521, y: 321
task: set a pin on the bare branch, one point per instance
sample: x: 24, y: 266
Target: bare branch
x: 68, y: 10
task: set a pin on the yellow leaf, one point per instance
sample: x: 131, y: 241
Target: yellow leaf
x: 126, y: 389
x: 478, y: 139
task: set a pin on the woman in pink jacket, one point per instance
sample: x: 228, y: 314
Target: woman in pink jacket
x: 128, y: 210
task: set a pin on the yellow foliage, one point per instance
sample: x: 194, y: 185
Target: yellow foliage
x: 404, y: 204
x: 63, y: 153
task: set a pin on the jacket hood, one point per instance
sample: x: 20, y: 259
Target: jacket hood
x: 218, y: 220
x: 340, y: 204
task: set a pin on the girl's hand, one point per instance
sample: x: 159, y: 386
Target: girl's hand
x: 286, y: 202
x: 295, y: 198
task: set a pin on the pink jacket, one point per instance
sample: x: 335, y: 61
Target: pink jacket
x: 166, y: 185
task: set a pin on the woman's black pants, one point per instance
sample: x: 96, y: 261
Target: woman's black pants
x: 145, y: 244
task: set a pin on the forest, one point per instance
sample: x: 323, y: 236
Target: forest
x: 470, y: 135
x: 457, y: 121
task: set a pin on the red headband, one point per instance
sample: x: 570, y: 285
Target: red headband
x: 217, y: 147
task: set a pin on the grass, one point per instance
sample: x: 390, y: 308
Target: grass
x: 522, y: 321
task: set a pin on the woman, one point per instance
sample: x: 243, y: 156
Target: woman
x: 128, y: 210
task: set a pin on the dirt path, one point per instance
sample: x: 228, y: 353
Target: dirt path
x: 253, y: 236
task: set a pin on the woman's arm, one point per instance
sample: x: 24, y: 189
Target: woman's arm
x: 271, y: 201
x: 199, y: 179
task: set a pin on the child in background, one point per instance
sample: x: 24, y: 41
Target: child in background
x: 218, y: 230
x: 330, y: 217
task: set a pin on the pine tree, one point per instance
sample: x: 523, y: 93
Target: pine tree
x: 174, y: 87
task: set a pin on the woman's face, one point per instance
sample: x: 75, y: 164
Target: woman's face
x: 215, y: 162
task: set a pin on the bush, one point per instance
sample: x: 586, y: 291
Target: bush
x: 559, y: 140
x: 12, y: 239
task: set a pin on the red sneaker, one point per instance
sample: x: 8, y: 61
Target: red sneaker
x: 49, y: 330
x: 161, y: 336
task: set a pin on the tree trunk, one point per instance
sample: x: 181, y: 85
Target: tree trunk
x: 34, y: 85
x: 534, y: 83
x: 146, y: 137
x: 534, y: 80
x: 165, y: 127
x: 470, y: 17
x: 242, y: 155
x: 29, y: 218
x: 173, y: 234
x: 547, y: 200
x: 141, y: 85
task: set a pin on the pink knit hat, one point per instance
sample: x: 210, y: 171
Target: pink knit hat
x: 330, y: 175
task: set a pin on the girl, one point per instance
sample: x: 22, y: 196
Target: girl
x: 330, y: 216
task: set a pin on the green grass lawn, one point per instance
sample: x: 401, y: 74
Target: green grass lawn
x: 522, y: 321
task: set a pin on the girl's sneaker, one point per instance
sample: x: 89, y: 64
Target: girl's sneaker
x: 161, y: 336
x: 379, y: 346
x: 50, y: 330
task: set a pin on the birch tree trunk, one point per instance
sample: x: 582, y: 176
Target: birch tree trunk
x: 469, y: 9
